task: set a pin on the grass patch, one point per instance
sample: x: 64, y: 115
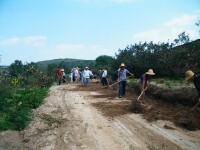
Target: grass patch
x: 16, y: 106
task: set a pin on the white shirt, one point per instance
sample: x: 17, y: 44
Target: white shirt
x: 87, y: 73
x: 104, y: 74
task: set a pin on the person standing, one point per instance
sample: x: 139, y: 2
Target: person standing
x: 59, y: 76
x: 144, y: 81
x: 63, y: 75
x: 104, y: 75
x: 195, y: 78
x: 122, y: 73
x: 75, y: 74
x: 87, y: 74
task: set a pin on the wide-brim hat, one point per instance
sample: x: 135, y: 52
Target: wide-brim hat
x: 122, y: 65
x: 189, y: 74
x: 62, y: 70
x: 86, y: 68
x: 150, y: 72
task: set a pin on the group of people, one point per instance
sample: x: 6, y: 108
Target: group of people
x: 120, y: 77
x: 77, y: 75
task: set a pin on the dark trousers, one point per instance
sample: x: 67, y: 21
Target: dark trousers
x: 104, y: 81
x: 122, y: 88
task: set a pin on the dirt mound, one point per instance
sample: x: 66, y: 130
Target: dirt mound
x: 181, y: 115
x: 110, y: 109
x: 185, y: 96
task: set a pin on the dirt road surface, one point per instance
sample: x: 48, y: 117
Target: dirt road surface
x: 69, y: 120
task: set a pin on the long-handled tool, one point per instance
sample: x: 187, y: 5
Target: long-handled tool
x: 195, y: 106
x: 141, y: 93
x: 119, y: 81
x: 65, y: 80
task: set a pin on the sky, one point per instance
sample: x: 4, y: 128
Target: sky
x: 37, y: 30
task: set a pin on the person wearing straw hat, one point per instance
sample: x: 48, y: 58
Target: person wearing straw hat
x: 195, y: 78
x: 144, y: 81
x: 122, y: 73
x: 87, y: 74
x: 63, y: 75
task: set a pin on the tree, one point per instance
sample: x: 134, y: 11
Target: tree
x: 16, y: 68
x: 104, y: 61
x: 182, y: 39
x: 198, y: 24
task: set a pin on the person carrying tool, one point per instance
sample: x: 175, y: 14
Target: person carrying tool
x: 59, y: 76
x: 195, y: 78
x: 122, y: 73
x: 144, y: 81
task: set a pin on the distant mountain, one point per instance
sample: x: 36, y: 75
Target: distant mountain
x: 67, y: 62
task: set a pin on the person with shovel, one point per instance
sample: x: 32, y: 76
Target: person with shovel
x: 195, y: 78
x: 122, y: 73
x: 144, y: 81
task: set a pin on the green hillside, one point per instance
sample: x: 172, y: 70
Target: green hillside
x: 69, y: 63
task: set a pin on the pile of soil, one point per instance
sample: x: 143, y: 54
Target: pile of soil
x: 182, y: 95
x: 111, y: 110
x: 153, y: 110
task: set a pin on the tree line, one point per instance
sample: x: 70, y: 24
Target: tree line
x: 167, y: 59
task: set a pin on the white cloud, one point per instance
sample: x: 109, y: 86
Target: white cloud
x: 10, y: 41
x: 37, y: 41
x: 78, y: 51
x: 181, y: 21
x: 169, y: 30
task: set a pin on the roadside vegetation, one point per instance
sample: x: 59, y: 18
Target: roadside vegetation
x: 22, y: 89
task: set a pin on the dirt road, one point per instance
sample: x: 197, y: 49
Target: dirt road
x: 69, y: 120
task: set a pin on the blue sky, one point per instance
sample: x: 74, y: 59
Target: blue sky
x: 36, y: 30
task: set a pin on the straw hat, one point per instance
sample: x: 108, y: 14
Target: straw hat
x: 62, y: 70
x: 150, y: 72
x: 188, y: 74
x: 86, y: 67
x: 122, y: 65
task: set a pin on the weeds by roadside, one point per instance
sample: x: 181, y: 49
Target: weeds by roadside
x: 16, y: 107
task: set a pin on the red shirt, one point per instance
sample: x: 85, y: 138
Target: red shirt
x: 59, y: 73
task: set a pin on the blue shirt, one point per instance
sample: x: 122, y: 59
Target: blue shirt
x: 122, y: 74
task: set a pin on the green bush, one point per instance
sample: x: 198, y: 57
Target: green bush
x: 16, y: 108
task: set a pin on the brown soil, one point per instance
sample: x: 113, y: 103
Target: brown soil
x: 153, y: 110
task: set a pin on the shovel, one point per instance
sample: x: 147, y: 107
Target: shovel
x: 119, y: 81
x: 195, y: 106
x: 141, y: 93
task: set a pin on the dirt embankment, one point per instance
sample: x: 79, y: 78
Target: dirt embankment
x: 181, y: 95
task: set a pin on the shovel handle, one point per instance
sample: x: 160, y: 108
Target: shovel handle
x: 141, y: 93
x: 195, y: 106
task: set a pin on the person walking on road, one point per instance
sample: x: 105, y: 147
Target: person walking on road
x: 104, y: 80
x: 122, y: 73
x: 195, y: 78
x: 144, y: 81
x: 59, y: 76
x: 87, y: 74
